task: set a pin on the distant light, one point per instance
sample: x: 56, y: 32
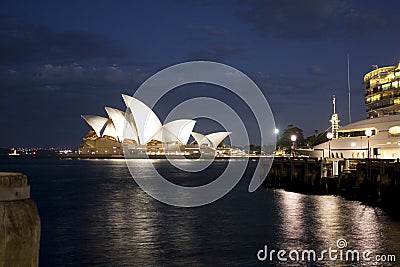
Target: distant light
x: 64, y: 151
x: 276, y: 131
x: 293, y: 138
x: 368, y: 132
x: 353, y: 144
x: 329, y: 135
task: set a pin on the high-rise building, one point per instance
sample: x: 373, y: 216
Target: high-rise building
x: 382, y: 91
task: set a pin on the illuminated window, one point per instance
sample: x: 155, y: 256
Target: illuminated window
x: 386, y: 86
x: 390, y: 76
x: 355, y: 133
x: 373, y: 98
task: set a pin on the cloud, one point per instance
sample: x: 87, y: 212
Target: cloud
x: 206, y: 31
x: 217, y: 51
x: 197, y: 4
x: 211, y: 43
x: 315, y: 19
x: 304, y: 101
x: 316, y: 70
x: 55, y: 77
x: 24, y: 44
x: 282, y: 87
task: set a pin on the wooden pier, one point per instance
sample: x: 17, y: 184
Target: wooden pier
x: 373, y: 181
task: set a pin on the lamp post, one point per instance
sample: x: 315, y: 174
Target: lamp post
x: 293, y: 139
x: 368, y: 133
x: 276, y: 132
x: 329, y: 135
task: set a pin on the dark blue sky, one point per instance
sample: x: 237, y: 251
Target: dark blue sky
x: 61, y: 59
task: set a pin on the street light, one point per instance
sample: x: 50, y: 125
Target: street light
x: 329, y: 135
x: 368, y: 133
x: 293, y: 139
x: 276, y: 132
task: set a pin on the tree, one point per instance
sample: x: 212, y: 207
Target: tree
x: 284, y: 140
x: 312, y: 139
x: 316, y: 139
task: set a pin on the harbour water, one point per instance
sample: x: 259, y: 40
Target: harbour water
x: 93, y: 213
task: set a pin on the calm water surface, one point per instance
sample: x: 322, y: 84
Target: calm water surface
x: 93, y: 213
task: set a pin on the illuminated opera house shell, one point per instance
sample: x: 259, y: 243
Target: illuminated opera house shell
x: 140, y: 126
x: 211, y: 140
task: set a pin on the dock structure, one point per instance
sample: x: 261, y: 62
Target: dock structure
x: 372, y: 181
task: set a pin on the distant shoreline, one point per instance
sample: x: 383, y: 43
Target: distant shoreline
x: 98, y: 156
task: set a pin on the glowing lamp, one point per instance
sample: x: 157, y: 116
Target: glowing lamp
x: 368, y: 132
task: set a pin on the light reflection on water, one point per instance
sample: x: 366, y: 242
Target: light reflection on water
x: 94, y: 214
x: 317, y: 222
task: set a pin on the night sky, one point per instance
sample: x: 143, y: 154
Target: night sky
x: 61, y: 59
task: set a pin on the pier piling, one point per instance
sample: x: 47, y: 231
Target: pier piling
x: 19, y: 222
x: 373, y: 181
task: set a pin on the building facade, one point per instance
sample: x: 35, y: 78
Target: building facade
x: 382, y: 92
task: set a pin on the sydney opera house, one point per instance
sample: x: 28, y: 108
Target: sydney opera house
x: 138, y: 131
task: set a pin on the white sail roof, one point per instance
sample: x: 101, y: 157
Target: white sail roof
x: 213, y: 139
x: 141, y: 124
x: 217, y: 138
x: 177, y: 131
x: 96, y: 122
x: 109, y: 130
x: 198, y: 137
x: 122, y: 126
x: 146, y: 121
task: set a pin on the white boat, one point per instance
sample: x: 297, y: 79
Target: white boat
x: 352, y: 142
